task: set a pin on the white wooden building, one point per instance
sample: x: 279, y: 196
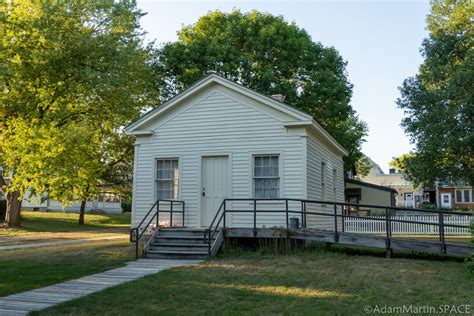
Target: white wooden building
x: 219, y: 140
x: 109, y: 203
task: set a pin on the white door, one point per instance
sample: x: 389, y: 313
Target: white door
x: 214, y: 186
x: 446, y: 200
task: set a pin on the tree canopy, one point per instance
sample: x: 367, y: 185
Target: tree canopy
x: 399, y: 163
x: 271, y: 56
x: 439, y: 100
x: 73, y: 73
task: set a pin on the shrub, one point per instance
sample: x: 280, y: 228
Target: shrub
x: 377, y: 212
x: 470, y: 260
x: 126, y: 206
x: 428, y: 206
x: 3, y: 209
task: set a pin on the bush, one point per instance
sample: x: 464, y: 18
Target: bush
x: 470, y: 260
x: 3, y: 210
x: 126, y: 206
x: 377, y: 212
x: 428, y: 206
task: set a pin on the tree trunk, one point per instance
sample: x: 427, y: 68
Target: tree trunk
x: 82, y: 212
x: 12, y: 217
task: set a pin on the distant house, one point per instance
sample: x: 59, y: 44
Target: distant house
x: 455, y: 197
x: 441, y: 195
x: 220, y: 140
x: 359, y: 192
x: 408, y: 195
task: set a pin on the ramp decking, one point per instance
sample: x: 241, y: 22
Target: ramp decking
x: 394, y: 243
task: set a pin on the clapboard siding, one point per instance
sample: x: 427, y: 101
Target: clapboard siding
x: 213, y: 125
x: 317, y: 153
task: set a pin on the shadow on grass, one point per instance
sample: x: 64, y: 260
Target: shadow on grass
x: 302, y: 283
x: 174, y: 292
x: 61, y: 222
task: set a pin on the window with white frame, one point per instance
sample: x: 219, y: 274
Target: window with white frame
x: 323, y: 181
x: 458, y: 196
x: 167, y: 179
x: 466, y: 196
x: 266, y: 176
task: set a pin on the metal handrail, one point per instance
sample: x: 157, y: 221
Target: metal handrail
x: 135, y: 232
x: 396, y: 208
x: 208, y: 231
x: 388, y: 219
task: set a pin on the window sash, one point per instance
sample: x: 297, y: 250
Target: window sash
x: 458, y: 196
x: 266, y: 177
x: 167, y: 179
x: 445, y: 198
x: 466, y: 196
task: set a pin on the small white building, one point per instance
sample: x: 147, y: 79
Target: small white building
x: 107, y: 201
x: 219, y: 140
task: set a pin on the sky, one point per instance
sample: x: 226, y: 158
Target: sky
x: 380, y: 40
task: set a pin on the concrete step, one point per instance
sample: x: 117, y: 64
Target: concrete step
x: 181, y: 232
x: 180, y: 239
x: 172, y: 244
x: 157, y: 254
x: 179, y: 247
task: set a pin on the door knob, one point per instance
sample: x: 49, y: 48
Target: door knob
x: 203, y: 191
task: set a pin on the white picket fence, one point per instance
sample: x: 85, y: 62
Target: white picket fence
x: 372, y: 226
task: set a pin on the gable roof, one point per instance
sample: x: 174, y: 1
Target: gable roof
x: 370, y: 185
x: 300, y: 118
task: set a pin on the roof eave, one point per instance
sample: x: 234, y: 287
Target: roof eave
x: 139, y: 133
x: 321, y: 131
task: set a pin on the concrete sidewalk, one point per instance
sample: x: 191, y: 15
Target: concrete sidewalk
x: 23, y: 303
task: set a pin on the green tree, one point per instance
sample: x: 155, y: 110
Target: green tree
x: 119, y: 166
x: 72, y: 74
x: 271, y: 56
x: 439, y: 100
x: 399, y: 163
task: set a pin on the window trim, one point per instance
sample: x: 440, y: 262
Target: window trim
x: 155, y: 180
x: 252, y: 171
x: 462, y: 192
x: 323, y: 177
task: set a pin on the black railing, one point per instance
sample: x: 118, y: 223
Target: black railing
x: 337, y: 213
x: 216, y: 221
x: 162, y: 206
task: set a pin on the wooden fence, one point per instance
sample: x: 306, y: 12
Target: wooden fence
x: 371, y: 226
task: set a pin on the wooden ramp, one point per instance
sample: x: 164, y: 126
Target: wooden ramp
x: 393, y: 243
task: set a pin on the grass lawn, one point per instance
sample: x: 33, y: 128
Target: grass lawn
x: 46, y: 226
x: 316, y: 281
x: 26, y: 269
